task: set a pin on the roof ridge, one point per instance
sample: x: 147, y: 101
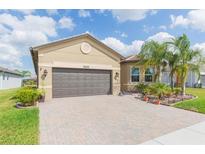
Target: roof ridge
x: 3, y: 69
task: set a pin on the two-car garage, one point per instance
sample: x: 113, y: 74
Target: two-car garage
x: 80, y: 82
x: 77, y: 66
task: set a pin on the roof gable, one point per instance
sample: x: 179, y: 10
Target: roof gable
x: 63, y: 41
x: 49, y: 47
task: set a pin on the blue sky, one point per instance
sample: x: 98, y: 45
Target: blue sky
x: 123, y: 30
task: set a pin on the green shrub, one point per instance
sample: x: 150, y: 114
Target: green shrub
x: 159, y: 89
x: 177, y: 91
x: 27, y: 96
x: 142, y: 88
x: 29, y: 83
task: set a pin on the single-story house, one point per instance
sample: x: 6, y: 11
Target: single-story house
x: 9, y: 79
x: 82, y: 65
x: 202, y: 75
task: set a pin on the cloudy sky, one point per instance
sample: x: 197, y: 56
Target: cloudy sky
x: 122, y: 30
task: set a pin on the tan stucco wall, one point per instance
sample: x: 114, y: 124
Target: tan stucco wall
x: 69, y: 55
x: 126, y: 84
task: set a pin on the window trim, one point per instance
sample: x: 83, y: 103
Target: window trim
x: 131, y: 74
x: 148, y: 74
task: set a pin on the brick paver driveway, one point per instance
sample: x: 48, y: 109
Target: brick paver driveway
x: 109, y: 120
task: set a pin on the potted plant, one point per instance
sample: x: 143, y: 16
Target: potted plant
x: 146, y: 92
x: 157, y: 102
x: 146, y: 98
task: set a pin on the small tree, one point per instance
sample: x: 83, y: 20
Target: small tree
x: 188, y: 59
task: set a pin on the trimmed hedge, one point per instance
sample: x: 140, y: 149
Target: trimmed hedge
x: 28, y: 96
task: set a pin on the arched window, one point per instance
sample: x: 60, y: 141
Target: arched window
x: 149, y: 72
x: 135, y: 74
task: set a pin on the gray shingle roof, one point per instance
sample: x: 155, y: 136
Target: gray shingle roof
x: 2, y: 69
x: 132, y: 58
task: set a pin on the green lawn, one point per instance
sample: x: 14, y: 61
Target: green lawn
x: 17, y: 126
x: 197, y: 105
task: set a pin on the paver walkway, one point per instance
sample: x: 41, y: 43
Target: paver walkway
x: 109, y: 120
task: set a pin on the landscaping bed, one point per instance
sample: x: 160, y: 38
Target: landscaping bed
x: 173, y: 99
x: 159, y: 93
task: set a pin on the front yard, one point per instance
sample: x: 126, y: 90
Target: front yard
x: 21, y: 126
x: 17, y: 126
x: 197, y: 105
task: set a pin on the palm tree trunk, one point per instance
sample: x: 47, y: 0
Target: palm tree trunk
x: 172, y: 82
x: 183, y: 88
x: 158, y: 77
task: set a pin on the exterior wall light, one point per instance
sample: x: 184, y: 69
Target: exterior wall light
x: 116, y: 76
x: 44, y: 74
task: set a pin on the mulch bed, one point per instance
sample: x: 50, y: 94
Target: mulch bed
x: 20, y: 106
x: 173, y: 99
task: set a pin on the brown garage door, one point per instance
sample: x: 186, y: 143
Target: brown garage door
x: 80, y: 82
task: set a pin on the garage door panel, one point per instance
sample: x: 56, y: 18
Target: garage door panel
x: 80, y: 82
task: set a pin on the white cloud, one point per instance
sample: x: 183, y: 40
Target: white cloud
x: 25, y: 38
x: 163, y: 27
x: 52, y: 12
x: 67, y: 22
x: 122, y: 34
x: 135, y: 46
x: 194, y: 19
x: 179, y: 21
x: 3, y: 29
x: 124, y: 49
x: 148, y: 29
x: 10, y: 57
x: 161, y: 37
x: 131, y: 15
x: 153, y: 12
x: 30, y: 23
x: 18, y: 34
x: 83, y: 13
x: 26, y: 11
x: 200, y: 46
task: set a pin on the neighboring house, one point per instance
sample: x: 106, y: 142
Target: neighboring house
x: 9, y: 79
x: 82, y: 65
x: 202, y: 75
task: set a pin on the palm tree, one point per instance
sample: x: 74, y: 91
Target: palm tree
x: 172, y: 60
x: 187, y: 58
x: 153, y: 54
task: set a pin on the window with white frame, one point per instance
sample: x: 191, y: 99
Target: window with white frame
x: 4, y: 76
x: 135, y: 74
x: 149, y: 72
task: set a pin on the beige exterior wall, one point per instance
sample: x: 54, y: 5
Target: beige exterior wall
x: 126, y: 83
x: 69, y: 55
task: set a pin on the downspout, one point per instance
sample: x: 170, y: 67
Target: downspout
x: 35, y: 63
